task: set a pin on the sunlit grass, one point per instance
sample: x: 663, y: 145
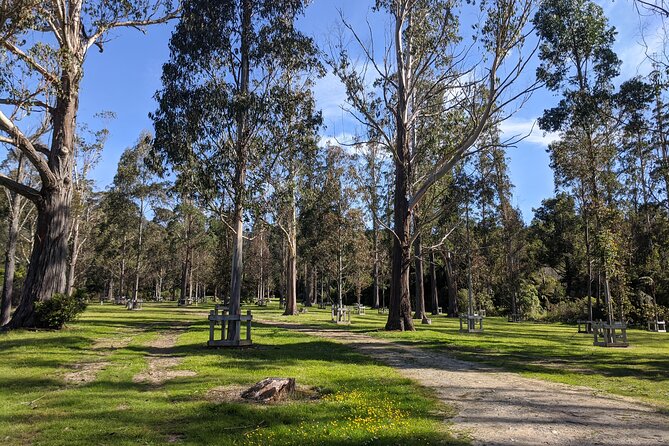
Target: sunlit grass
x: 550, y: 351
x: 362, y: 402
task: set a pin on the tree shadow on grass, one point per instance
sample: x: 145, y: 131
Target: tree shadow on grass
x: 48, y: 340
x: 539, y: 360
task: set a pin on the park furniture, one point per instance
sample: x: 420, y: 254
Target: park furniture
x: 359, y: 309
x: 341, y: 315
x: 471, y: 323
x: 134, y: 304
x: 657, y: 326
x: 587, y: 326
x: 609, y: 334
x: 655, y: 323
x: 383, y: 310
x: 220, y: 317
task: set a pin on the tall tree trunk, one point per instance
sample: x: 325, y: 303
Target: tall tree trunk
x: 240, y: 173
x: 291, y: 275
x: 433, y: 284
x: 375, y: 291
x: 110, y: 290
x: 140, y: 233
x: 419, y: 285
x: 190, y: 282
x: 121, y: 285
x: 399, y: 311
x: 160, y: 285
x: 451, y: 285
x: 48, y: 260
x: 10, y: 252
x: 73, y: 257
x: 10, y: 260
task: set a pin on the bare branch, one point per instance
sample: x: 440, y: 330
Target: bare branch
x: 20, y: 188
x: 137, y: 24
x: 24, y: 144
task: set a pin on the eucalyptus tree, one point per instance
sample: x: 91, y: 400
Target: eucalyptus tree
x: 224, y: 60
x: 369, y: 175
x: 88, y: 150
x: 113, y: 240
x: 295, y: 133
x: 577, y: 60
x: 19, y: 211
x: 44, y: 44
x: 556, y: 229
x: 426, y: 58
x: 136, y: 181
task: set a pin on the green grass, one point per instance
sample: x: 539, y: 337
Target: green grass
x: 550, y: 351
x: 362, y: 402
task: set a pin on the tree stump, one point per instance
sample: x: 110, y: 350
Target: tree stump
x: 270, y: 389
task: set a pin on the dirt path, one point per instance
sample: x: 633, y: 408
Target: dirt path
x: 86, y: 372
x: 162, y: 359
x: 500, y: 408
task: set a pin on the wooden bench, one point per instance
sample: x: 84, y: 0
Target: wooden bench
x: 360, y: 309
x: 657, y: 326
x: 471, y: 323
x: 609, y: 335
x: 587, y: 326
x: 225, y: 320
x: 341, y: 315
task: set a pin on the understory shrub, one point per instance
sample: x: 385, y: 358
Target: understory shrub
x: 568, y: 310
x: 60, y: 309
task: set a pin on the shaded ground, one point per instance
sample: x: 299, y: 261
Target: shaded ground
x: 501, y: 408
x: 162, y: 359
x: 86, y: 372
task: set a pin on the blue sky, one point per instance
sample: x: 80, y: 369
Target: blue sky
x: 124, y: 78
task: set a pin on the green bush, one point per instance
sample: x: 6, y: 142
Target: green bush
x: 528, y: 301
x: 568, y: 310
x: 60, y: 309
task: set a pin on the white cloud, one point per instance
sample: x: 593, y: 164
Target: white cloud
x: 529, y: 130
x: 330, y: 96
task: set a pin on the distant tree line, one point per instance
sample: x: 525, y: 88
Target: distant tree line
x: 234, y: 196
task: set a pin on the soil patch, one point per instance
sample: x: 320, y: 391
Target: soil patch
x: 85, y: 372
x: 162, y: 359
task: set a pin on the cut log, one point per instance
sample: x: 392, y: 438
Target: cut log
x: 270, y: 389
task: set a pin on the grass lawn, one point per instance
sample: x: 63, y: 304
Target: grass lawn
x: 554, y: 352
x: 361, y: 402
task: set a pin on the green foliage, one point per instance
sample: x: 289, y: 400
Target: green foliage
x: 60, y: 309
x: 568, y: 310
x: 528, y: 301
